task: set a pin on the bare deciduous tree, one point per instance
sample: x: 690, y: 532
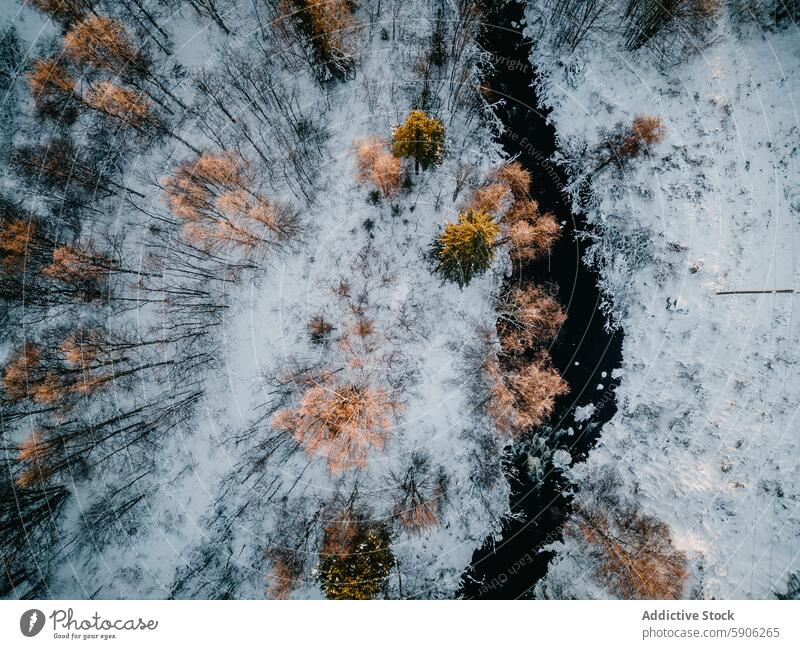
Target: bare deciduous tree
x: 54, y: 91
x: 624, y: 144
x: 420, y: 494
x: 326, y: 29
x: 527, y: 317
x: 28, y: 532
x: 216, y: 196
x: 648, y: 18
x: 633, y: 553
x: 340, y: 421
x: 377, y: 166
x: 523, y: 397
x: 66, y: 11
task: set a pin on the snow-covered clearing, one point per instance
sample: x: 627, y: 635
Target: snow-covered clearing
x: 706, y: 438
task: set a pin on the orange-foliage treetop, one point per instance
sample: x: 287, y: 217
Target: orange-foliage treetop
x: 340, y: 422
x: 102, y: 42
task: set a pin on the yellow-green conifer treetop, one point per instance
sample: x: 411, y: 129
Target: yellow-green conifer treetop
x: 359, y: 569
x: 419, y: 137
x: 466, y: 248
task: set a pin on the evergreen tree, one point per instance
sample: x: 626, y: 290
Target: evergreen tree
x: 419, y: 137
x: 466, y: 249
x: 355, y: 560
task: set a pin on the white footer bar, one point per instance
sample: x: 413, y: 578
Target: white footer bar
x: 406, y: 625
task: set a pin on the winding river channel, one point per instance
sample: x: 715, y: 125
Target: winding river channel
x: 584, y: 351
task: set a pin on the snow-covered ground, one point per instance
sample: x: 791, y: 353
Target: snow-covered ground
x: 706, y: 436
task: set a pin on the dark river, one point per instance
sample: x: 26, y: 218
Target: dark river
x: 584, y: 352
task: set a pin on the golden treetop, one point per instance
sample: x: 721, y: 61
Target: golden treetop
x: 420, y: 137
x: 472, y: 229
